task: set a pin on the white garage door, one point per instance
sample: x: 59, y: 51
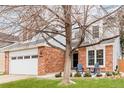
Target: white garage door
x: 24, y: 62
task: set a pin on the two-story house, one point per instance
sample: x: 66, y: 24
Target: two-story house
x: 35, y: 57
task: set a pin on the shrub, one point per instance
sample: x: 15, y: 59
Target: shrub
x: 99, y: 75
x: 58, y: 75
x: 116, y: 68
x: 116, y: 73
x: 2, y: 73
x: 77, y: 74
x: 87, y: 74
x: 108, y: 73
x: 71, y: 75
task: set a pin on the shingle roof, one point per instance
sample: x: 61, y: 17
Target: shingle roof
x: 7, y: 39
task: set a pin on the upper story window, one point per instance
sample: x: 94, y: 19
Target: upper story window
x: 77, y: 35
x: 96, y: 31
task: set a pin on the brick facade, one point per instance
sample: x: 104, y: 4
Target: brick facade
x: 6, y: 62
x: 121, y: 65
x: 50, y: 60
x: 82, y: 57
x: 108, y: 58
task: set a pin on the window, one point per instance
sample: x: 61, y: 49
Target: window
x: 77, y: 35
x: 13, y: 58
x: 95, y: 56
x: 99, y: 56
x: 95, y: 31
x: 91, y: 57
x: 26, y: 57
x: 20, y: 57
x: 34, y: 56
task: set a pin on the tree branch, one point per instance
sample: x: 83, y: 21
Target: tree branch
x: 104, y: 16
x: 54, y: 13
x: 99, y: 41
x: 55, y: 39
x: 51, y: 44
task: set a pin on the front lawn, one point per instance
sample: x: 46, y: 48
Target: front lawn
x: 43, y: 83
x: 1, y: 73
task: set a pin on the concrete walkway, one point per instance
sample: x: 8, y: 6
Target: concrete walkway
x: 9, y: 78
x: 47, y: 76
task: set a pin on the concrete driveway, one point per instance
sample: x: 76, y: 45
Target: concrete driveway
x: 9, y: 78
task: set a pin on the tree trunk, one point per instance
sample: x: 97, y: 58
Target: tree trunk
x: 67, y: 67
x: 68, y: 54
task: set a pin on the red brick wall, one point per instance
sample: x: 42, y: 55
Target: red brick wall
x: 82, y: 57
x: 50, y: 60
x: 121, y: 65
x: 6, y: 62
x: 108, y: 57
x: 41, y: 61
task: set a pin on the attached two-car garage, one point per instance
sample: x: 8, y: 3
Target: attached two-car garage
x: 24, y: 62
x: 33, y: 60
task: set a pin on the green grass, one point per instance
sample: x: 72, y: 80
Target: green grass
x: 44, y: 83
x: 1, y: 74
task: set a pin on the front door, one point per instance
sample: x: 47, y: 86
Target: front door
x: 75, y: 60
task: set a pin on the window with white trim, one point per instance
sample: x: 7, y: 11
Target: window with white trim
x: 77, y: 35
x: 91, y: 57
x: 95, y: 56
x: 96, y: 31
x: 99, y: 56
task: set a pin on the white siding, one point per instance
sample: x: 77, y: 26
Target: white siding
x: 116, y: 52
x: 2, y: 62
x: 103, y: 32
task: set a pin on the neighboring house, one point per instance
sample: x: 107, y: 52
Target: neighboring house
x: 36, y: 57
x: 5, y: 40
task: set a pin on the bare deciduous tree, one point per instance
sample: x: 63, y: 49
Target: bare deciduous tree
x: 49, y: 21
